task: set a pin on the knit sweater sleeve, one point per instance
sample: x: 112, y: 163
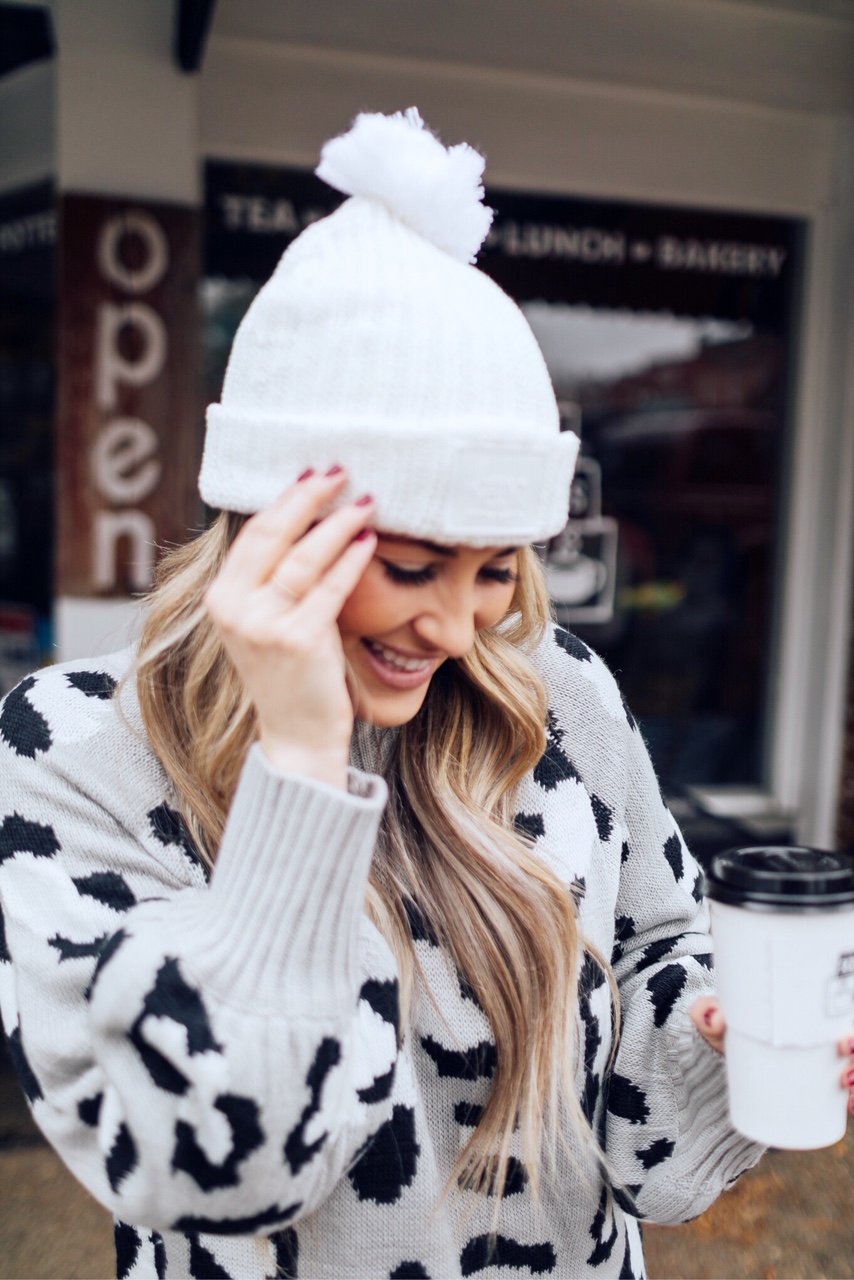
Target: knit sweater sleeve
x: 668, y: 1134
x: 204, y: 1057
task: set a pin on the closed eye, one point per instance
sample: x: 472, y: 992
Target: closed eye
x: 409, y: 577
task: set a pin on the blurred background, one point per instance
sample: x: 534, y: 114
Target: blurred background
x: 673, y: 186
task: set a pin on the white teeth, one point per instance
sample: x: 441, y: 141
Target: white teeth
x: 395, y: 660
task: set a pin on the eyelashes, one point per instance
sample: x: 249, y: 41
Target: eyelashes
x: 418, y: 577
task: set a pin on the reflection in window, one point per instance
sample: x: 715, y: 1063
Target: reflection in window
x: 681, y: 423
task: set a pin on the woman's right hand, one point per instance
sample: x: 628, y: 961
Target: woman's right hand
x: 276, y: 602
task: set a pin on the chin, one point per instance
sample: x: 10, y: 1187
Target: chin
x: 390, y: 710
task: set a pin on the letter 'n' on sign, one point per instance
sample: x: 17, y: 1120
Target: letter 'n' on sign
x: 129, y: 400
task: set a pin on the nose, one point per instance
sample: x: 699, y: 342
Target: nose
x: 448, y: 626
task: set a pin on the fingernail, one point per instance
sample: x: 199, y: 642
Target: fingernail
x: 851, y: 1102
x: 365, y: 500
x: 334, y: 471
x: 362, y: 535
x: 849, y: 1077
x: 309, y: 471
x: 707, y: 1017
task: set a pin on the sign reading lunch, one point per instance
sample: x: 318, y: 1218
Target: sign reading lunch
x: 128, y: 395
x: 603, y: 253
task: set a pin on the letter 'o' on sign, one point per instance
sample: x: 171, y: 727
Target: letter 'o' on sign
x: 155, y: 261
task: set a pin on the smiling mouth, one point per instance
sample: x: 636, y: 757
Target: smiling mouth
x: 397, y: 661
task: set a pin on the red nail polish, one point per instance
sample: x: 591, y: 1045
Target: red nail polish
x: 849, y: 1078
x: 362, y: 535
x: 707, y: 1017
x: 334, y: 471
x: 365, y: 500
x: 309, y: 471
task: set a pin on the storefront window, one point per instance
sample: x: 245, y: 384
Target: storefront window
x: 669, y: 335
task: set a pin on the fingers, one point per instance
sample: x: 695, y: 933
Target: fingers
x: 265, y: 538
x: 846, y: 1078
x: 708, y: 1018
x: 304, y: 565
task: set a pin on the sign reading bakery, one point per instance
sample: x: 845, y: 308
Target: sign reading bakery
x: 128, y: 440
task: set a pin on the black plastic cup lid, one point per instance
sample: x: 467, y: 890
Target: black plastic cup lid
x: 788, y: 877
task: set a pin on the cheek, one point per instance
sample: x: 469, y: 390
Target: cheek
x: 370, y: 608
x: 495, y: 605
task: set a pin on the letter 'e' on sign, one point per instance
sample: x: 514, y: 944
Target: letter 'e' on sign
x: 129, y: 429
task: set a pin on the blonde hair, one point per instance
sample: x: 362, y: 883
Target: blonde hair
x: 448, y: 845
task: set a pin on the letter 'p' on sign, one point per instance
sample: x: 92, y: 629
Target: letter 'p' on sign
x: 129, y: 397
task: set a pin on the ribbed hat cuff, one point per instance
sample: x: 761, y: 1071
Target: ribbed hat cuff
x: 453, y: 482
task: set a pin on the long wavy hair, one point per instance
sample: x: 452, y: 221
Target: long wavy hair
x: 448, y: 846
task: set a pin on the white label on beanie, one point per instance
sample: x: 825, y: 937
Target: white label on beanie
x: 490, y: 485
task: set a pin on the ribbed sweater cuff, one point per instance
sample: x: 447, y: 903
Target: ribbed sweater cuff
x: 279, y: 926
x: 718, y: 1152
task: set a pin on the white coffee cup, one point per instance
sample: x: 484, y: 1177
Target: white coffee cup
x: 783, y: 929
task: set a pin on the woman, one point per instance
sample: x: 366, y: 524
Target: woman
x: 347, y: 931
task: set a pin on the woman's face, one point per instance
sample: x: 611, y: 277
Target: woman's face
x: 416, y: 605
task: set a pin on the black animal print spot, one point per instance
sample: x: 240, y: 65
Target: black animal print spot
x: 419, y: 925
x: 578, y: 889
x: 286, y: 1245
x: 107, y: 887
x: 17, y: 835
x: 30, y: 1085
x: 530, y: 824
x: 664, y: 988
x: 297, y: 1151
x: 89, y: 1110
x: 554, y: 765
x: 379, y: 1088
x: 409, y: 1271
x: 654, y: 952
x: 248, y: 1226
x: 604, y: 818
x: 625, y: 852
x: 246, y: 1137
x: 122, y: 1158
x: 24, y: 728
x: 386, y: 1164
x: 604, y: 1245
x: 627, y: 1100
x: 515, y: 1180
x: 159, y: 1254
x: 624, y: 930
x: 673, y: 854
x: 105, y: 955
x: 656, y: 1153
x: 471, y: 1064
x: 626, y: 1198
x: 171, y: 997
x: 5, y: 953
x: 633, y: 724
x: 468, y: 1114
x: 589, y: 980
x: 572, y: 645
x: 69, y: 950
x: 203, y: 1263
x: 95, y: 684
x: 168, y: 827
x: 128, y: 1243
x: 384, y: 999
x: 706, y: 960
x: 502, y: 1251
x: 699, y: 884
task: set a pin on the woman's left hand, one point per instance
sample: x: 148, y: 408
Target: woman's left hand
x: 708, y: 1018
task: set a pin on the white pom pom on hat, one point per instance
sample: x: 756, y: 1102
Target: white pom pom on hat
x: 375, y: 345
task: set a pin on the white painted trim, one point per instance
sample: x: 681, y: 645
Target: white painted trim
x: 88, y: 628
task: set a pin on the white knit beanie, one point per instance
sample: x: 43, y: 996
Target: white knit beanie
x: 375, y: 345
